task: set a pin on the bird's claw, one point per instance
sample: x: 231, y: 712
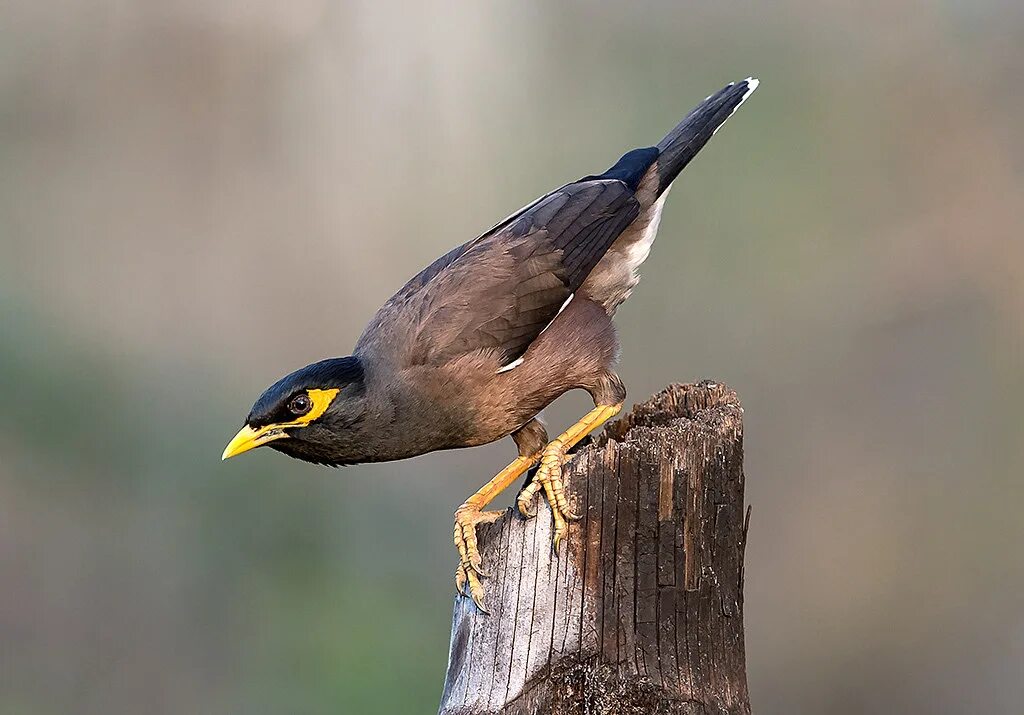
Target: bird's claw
x: 526, y: 501
x: 464, y: 578
x: 460, y: 580
x: 549, y: 478
x: 469, y: 571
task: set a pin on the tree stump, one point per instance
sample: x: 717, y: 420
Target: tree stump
x: 642, y: 611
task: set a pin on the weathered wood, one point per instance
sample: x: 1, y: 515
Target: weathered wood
x: 642, y: 612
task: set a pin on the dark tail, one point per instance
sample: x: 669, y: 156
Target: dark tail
x: 651, y: 170
x: 690, y: 135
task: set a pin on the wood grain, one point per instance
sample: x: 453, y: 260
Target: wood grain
x: 642, y: 612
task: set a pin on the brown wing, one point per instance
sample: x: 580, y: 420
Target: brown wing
x: 499, y: 291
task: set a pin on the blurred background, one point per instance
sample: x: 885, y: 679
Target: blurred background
x: 197, y: 197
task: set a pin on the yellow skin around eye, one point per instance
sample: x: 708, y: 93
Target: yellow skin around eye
x: 249, y: 438
x: 321, y: 400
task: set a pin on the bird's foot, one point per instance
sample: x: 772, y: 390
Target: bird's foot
x: 549, y: 477
x: 469, y: 570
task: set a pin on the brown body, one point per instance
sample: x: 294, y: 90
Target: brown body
x: 475, y: 404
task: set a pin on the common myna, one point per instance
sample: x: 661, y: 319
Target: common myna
x: 478, y: 343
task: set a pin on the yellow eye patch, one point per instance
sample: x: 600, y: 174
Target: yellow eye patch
x: 321, y: 400
x: 249, y: 438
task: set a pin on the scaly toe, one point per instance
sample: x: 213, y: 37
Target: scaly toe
x: 470, y: 569
x: 460, y: 581
x: 526, y: 502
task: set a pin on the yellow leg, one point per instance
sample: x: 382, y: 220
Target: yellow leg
x: 549, y: 476
x: 469, y: 515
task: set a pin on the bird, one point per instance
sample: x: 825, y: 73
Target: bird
x: 476, y: 345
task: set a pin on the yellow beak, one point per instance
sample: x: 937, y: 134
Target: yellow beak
x: 249, y: 438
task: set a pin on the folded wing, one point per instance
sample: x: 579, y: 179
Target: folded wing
x: 499, y: 291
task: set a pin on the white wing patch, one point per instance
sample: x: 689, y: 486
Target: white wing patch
x: 564, y: 306
x: 511, y: 366
x: 519, y: 361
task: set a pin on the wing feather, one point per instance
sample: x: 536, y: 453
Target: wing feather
x: 499, y: 291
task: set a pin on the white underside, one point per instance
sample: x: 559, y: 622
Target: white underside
x: 638, y: 251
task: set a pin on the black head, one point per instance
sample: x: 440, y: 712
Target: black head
x: 308, y: 414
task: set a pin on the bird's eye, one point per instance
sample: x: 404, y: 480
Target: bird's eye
x: 300, y: 404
